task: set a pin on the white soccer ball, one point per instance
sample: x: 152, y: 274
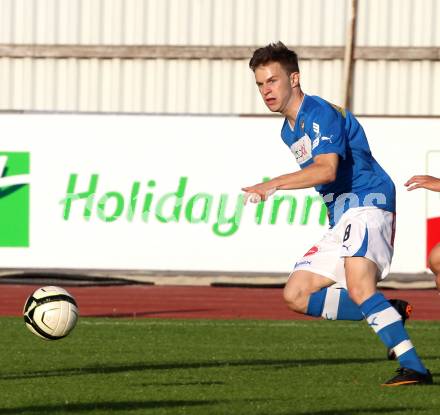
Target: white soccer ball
x: 50, y: 313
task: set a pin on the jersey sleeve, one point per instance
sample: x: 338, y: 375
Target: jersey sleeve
x: 327, y: 132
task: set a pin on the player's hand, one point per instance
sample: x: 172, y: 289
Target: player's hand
x: 425, y: 182
x: 257, y: 193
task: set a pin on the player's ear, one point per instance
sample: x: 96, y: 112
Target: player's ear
x: 294, y: 79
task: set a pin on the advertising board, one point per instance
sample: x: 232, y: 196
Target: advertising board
x: 164, y: 192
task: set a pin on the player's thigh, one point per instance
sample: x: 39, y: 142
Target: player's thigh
x: 302, y: 283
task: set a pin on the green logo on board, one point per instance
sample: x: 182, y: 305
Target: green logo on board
x: 223, y: 213
x: 14, y: 199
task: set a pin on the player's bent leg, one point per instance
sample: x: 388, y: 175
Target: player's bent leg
x: 361, y: 274
x: 434, y: 264
x: 303, y: 294
x: 300, y: 286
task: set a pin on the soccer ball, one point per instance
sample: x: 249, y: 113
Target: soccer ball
x: 50, y: 313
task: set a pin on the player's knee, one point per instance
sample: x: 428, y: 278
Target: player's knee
x: 358, y: 294
x: 295, y: 298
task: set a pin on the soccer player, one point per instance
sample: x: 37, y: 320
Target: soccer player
x: 336, y: 278
x: 429, y: 183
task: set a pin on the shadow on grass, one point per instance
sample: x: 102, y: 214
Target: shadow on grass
x: 150, y: 313
x: 257, y: 364
x: 76, y: 408
x: 201, y: 383
x: 356, y: 411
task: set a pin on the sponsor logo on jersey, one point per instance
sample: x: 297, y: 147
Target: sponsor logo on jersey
x: 302, y: 149
x: 302, y: 263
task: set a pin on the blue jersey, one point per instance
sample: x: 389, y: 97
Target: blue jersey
x: 323, y: 128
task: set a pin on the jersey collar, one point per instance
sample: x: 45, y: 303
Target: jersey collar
x: 296, y: 118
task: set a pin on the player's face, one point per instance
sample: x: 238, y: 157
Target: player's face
x: 275, y: 86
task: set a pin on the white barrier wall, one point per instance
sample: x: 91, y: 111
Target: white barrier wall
x: 163, y: 192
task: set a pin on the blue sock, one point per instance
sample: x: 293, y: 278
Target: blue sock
x: 316, y: 303
x: 387, y: 323
x: 333, y: 304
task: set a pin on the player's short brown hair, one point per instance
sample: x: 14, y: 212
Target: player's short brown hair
x: 275, y: 52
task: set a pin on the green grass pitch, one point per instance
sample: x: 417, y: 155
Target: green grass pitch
x: 143, y: 366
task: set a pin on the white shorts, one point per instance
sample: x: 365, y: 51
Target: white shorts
x: 365, y: 232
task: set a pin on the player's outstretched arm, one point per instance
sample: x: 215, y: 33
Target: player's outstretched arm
x: 425, y: 182
x: 321, y: 171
